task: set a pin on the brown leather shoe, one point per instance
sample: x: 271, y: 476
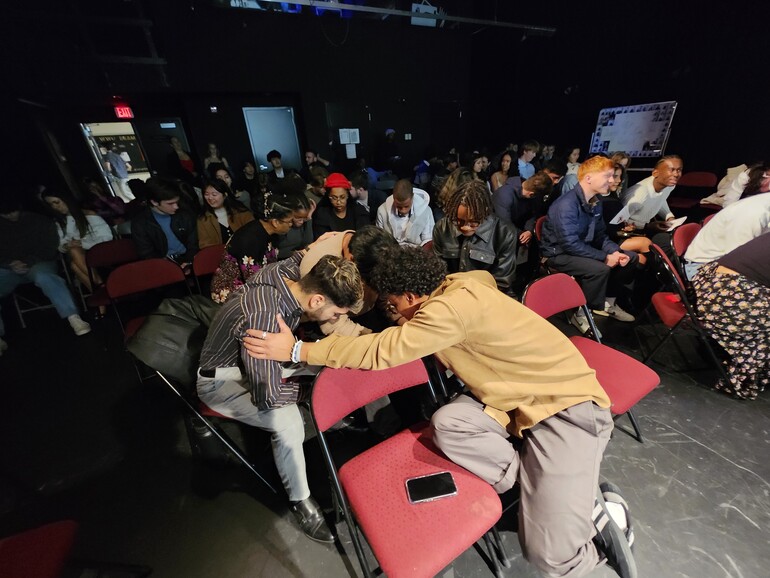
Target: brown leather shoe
x: 311, y: 520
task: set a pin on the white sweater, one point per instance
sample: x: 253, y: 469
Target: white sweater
x: 730, y: 228
x: 644, y: 203
x: 98, y: 232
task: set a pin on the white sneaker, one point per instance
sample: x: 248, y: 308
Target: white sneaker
x: 3, y: 345
x: 616, y: 312
x: 580, y: 321
x: 78, y: 325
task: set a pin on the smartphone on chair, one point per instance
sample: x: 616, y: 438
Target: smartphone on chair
x: 430, y: 487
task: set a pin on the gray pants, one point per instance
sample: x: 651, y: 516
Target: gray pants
x: 225, y: 394
x: 557, y: 470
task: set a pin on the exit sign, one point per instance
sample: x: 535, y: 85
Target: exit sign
x: 124, y: 112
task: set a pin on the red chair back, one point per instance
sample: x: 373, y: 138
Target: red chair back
x: 539, y: 227
x: 143, y: 275
x: 700, y: 179
x: 707, y: 219
x: 553, y: 294
x: 683, y: 236
x: 111, y: 253
x: 339, y: 392
x: 207, y: 260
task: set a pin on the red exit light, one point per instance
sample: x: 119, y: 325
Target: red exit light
x: 124, y: 112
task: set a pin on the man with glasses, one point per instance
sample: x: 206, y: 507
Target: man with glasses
x: 471, y: 237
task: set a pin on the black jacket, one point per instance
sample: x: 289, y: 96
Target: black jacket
x: 491, y: 248
x: 151, y: 242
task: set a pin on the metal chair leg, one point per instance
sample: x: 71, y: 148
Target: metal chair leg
x: 493, y: 556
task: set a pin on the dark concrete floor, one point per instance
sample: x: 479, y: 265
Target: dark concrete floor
x: 84, y: 440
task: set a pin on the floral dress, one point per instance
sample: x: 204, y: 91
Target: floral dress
x: 249, y: 249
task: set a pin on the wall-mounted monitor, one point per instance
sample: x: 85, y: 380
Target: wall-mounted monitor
x: 640, y: 130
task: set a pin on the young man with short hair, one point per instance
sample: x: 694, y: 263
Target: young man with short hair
x: 525, y: 379
x: 575, y: 242
x: 258, y: 396
x: 163, y: 229
x: 406, y: 215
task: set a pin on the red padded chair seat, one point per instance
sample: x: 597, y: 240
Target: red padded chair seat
x: 208, y: 412
x: 399, y: 532
x: 668, y: 307
x: 38, y: 553
x: 682, y: 202
x: 625, y: 379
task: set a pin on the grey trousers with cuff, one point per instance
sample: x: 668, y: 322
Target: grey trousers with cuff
x: 225, y: 393
x: 557, y: 470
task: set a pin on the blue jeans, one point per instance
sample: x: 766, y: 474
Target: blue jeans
x: 226, y: 393
x: 44, y: 275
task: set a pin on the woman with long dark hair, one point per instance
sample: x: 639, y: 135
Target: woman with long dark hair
x: 78, y: 232
x: 221, y: 216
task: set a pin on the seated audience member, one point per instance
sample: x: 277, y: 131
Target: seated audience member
x: 576, y: 243
x: 337, y: 211
x: 315, y: 186
x: 222, y: 215
x: 623, y: 160
x: 454, y: 181
x: 107, y: 206
x: 252, y: 391
x: 740, y: 182
x: 313, y: 160
x: 475, y: 164
x: 181, y: 164
x: 471, y: 237
x: 571, y: 156
x: 556, y: 169
x: 518, y: 203
x: 406, y: 215
x: 28, y: 252
x: 499, y: 177
x: 78, y: 232
x: 621, y: 234
x: 728, y: 229
x: 525, y: 379
x: 214, y: 161
x: 369, y: 198
x: 163, y: 229
x: 646, y: 200
x: 242, y: 196
x: 527, y: 152
x: 733, y: 300
x: 545, y: 156
x: 300, y: 235
x: 255, y: 244
x: 364, y: 247
x: 279, y: 171
x: 247, y: 181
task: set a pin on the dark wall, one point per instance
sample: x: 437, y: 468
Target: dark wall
x: 466, y: 87
x: 712, y: 62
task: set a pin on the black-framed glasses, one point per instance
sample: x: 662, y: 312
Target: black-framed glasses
x: 470, y: 224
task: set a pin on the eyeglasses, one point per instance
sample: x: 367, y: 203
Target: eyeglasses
x: 461, y: 223
x: 391, y: 307
x: 286, y: 222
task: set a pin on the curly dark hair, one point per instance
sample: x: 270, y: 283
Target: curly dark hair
x: 408, y: 269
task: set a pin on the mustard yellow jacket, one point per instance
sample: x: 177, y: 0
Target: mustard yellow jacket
x: 515, y: 362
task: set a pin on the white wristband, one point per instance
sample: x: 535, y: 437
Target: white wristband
x: 295, y: 352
